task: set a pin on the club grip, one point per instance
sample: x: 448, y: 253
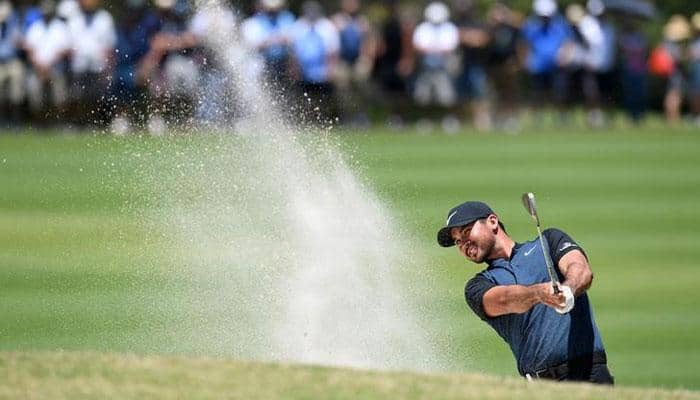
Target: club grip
x: 556, y: 288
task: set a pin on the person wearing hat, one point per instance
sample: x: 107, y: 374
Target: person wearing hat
x: 544, y: 35
x: 552, y: 335
x: 435, y: 41
x: 676, y: 32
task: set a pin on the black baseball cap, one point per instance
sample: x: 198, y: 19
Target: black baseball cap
x: 463, y: 214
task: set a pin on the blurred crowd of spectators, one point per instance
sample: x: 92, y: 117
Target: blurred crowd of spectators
x: 72, y: 61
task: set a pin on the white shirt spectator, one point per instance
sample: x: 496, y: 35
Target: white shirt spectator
x: 592, y: 32
x: 46, y: 41
x: 436, y: 38
x: 93, y: 40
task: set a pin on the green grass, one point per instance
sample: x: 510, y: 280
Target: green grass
x: 67, y: 375
x: 81, y: 271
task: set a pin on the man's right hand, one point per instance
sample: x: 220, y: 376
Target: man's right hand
x: 548, y: 297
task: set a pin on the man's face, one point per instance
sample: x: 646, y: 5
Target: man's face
x: 474, y: 241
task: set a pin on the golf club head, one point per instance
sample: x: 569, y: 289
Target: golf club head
x: 529, y: 203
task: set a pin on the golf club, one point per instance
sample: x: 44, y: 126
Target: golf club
x: 529, y: 203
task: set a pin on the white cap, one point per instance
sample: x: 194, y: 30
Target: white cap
x: 272, y: 4
x: 544, y: 8
x: 595, y: 7
x: 437, y: 12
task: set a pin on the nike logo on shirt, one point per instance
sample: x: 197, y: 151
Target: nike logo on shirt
x: 527, y: 253
x: 566, y: 246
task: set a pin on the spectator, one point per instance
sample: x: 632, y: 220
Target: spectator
x: 583, y: 57
x: 315, y: 46
x: 11, y: 68
x: 474, y: 39
x: 134, y: 33
x: 267, y: 32
x: 676, y: 31
x: 435, y: 40
x: 168, y: 69
x: 30, y: 13
x: 634, y: 49
x: 93, y: 36
x: 394, y: 61
x: 544, y: 34
x: 355, y: 60
x: 694, y: 70
x: 504, y: 30
x: 48, y: 45
x: 215, y: 103
x: 605, y: 66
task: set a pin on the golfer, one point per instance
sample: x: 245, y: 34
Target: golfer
x: 553, y: 336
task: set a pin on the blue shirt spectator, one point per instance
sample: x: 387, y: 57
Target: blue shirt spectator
x: 9, y: 36
x: 352, y: 30
x: 267, y: 32
x: 133, y: 37
x: 544, y: 37
x: 31, y: 15
x: 315, y: 43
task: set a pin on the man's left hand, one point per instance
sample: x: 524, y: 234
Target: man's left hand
x: 568, y: 303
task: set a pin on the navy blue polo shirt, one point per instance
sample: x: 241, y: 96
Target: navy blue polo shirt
x: 540, y: 337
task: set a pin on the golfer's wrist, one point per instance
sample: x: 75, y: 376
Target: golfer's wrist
x: 541, y: 292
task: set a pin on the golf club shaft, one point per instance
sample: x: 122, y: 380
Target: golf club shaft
x: 548, y: 260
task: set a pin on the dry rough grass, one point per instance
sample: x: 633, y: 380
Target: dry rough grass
x: 79, y: 375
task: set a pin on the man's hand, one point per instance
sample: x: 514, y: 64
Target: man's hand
x: 568, y: 300
x: 562, y: 302
x: 548, y: 297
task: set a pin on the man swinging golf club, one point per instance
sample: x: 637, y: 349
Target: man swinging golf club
x: 549, y: 325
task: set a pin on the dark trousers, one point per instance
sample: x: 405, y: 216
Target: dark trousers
x: 588, y: 369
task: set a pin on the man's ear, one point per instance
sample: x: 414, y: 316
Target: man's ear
x: 492, y: 222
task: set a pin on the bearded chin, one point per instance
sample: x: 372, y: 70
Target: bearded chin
x: 486, y: 254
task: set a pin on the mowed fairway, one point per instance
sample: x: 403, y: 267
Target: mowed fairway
x: 80, y: 272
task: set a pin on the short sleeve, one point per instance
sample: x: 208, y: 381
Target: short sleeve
x: 560, y: 244
x: 474, y: 293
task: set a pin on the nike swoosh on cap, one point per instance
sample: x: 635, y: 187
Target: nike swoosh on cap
x: 449, y: 217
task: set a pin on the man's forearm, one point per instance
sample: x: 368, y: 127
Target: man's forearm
x: 578, y: 277
x: 512, y: 299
